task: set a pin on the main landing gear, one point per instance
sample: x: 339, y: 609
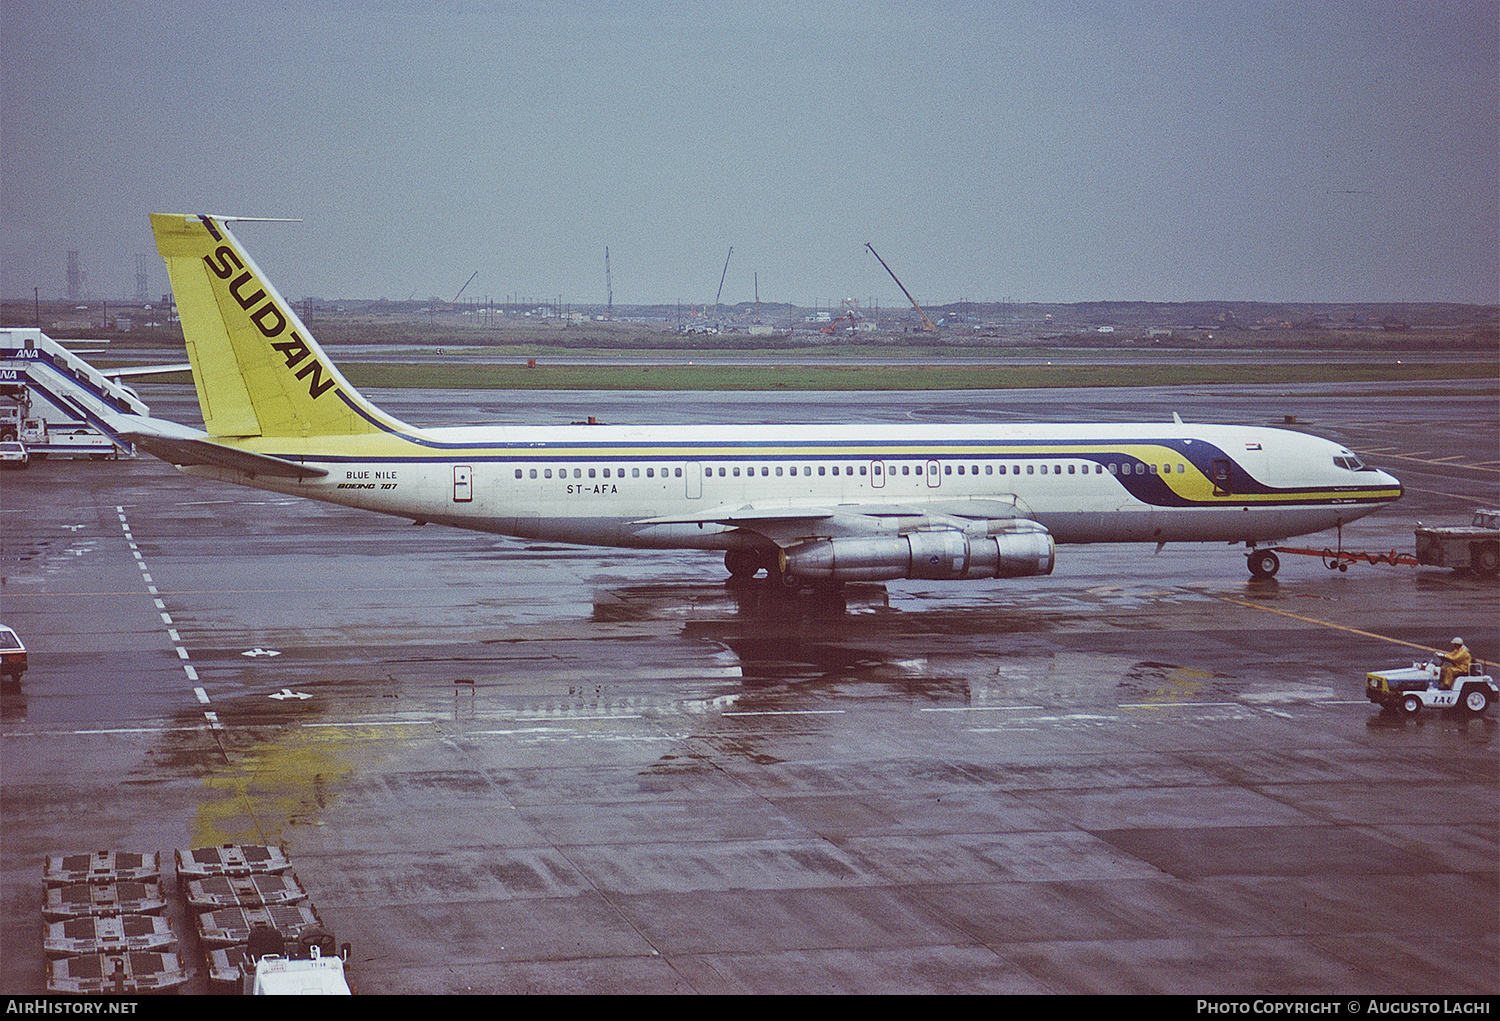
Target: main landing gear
x: 1263, y: 564
x: 745, y: 564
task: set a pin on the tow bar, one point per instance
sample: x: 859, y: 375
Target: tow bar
x: 1340, y: 559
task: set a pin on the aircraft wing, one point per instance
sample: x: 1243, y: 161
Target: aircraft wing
x: 181, y: 445
x: 788, y: 523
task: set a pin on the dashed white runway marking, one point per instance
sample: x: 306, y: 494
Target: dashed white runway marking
x: 210, y: 717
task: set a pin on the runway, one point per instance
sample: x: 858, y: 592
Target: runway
x: 521, y: 768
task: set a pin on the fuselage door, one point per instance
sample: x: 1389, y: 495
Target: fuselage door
x: 463, y: 483
x: 1223, y: 478
x: 693, y: 478
x: 934, y: 478
x: 877, y: 474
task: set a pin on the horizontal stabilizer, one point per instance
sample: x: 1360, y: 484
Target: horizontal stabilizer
x: 206, y: 452
x: 130, y: 372
x: 181, y: 445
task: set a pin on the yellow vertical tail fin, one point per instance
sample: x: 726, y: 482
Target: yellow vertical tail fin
x: 258, y: 370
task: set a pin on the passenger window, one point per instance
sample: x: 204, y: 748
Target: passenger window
x: 778, y: 472
x: 533, y: 473
x: 650, y: 473
x: 1031, y: 469
x: 1072, y: 469
x: 1002, y: 469
x: 546, y: 473
x: 736, y: 473
x: 518, y: 473
x: 677, y: 472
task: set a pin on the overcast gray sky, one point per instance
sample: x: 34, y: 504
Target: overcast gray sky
x: 1316, y: 150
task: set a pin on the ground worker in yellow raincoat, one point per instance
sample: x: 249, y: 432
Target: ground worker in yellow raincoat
x: 1455, y: 663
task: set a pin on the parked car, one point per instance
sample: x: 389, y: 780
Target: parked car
x: 13, y: 454
x: 12, y: 654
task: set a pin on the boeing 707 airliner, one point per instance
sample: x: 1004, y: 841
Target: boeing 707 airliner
x: 809, y: 504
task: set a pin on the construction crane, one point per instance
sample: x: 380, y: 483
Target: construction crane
x: 927, y: 325
x: 462, y: 289
x: 609, y: 286
x: 721, y: 287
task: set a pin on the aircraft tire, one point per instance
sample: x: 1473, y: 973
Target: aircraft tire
x: 1263, y: 564
x: 781, y: 581
x: 1486, y: 560
x: 741, y: 564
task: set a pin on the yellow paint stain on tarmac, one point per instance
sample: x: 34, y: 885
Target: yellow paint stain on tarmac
x: 1180, y: 683
x: 267, y: 788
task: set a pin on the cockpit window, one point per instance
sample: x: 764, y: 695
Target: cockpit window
x: 1349, y: 461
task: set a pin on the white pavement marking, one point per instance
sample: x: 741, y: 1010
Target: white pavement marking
x: 166, y: 618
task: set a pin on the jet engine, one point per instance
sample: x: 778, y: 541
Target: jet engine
x: 1009, y: 549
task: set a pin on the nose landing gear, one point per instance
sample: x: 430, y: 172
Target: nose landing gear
x: 1263, y: 564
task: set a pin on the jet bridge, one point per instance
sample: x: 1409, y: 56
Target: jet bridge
x: 56, y: 403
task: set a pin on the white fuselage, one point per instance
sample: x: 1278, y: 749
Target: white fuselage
x: 720, y: 487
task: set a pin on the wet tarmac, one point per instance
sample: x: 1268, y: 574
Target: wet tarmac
x: 503, y: 767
